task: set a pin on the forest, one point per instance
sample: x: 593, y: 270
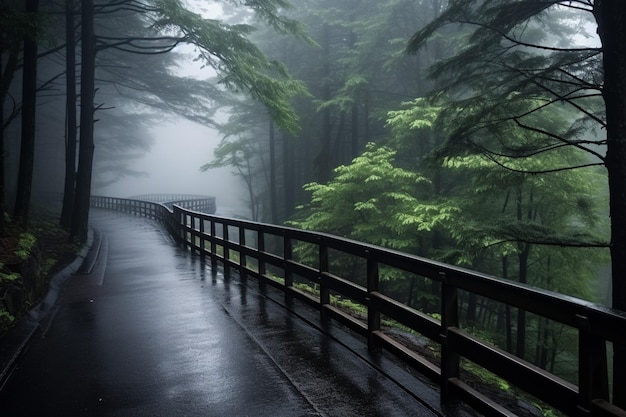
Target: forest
x: 488, y: 134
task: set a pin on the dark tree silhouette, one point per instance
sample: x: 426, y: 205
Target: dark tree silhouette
x: 506, y: 62
x: 80, y: 217
x: 29, y: 104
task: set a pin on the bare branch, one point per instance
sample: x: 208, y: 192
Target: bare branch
x: 517, y: 42
x: 538, y: 172
x: 562, y: 244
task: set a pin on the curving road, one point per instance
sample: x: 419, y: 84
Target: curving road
x: 147, y: 329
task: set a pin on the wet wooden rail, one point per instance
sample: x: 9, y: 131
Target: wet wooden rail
x: 266, y: 252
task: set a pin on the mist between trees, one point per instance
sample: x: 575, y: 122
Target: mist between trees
x: 487, y: 134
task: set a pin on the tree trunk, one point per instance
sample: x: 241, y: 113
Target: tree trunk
x: 611, y: 19
x: 273, y: 191
x: 29, y: 104
x: 507, y: 308
x: 70, y: 111
x: 354, y: 134
x: 2, y: 169
x: 520, y: 344
x: 323, y: 158
x: 80, y: 219
x: 289, y: 174
x: 6, y: 76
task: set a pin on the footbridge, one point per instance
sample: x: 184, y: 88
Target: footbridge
x: 433, y: 360
x: 203, y: 203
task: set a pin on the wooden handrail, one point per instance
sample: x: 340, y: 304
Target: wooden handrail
x: 221, y: 237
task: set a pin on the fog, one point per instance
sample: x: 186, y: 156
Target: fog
x: 172, y: 166
x: 180, y: 147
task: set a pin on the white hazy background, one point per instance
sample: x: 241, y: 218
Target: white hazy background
x: 181, y: 147
x: 172, y: 166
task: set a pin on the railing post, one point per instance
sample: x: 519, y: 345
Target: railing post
x: 261, y: 258
x: 242, y: 254
x: 188, y: 226
x: 593, y: 381
x: 450, y: 360
x: 225, y: 237
x: 213, y: 244
x: 373, y: 314
x: 288, y: 256
x: 323, y: 268
x: 202, y: 240
x: 180, y: 226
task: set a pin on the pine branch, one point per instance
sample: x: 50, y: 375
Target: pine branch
x: 539, y: 172
x: 517, y: 42
x: 558, y: 138
x: 547, y: 242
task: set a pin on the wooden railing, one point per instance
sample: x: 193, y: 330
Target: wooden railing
x: 203, y: 203
x: 252, y: 248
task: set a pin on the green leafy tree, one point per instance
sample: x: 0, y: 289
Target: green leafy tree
x: 240, y: 64
x: 368, y: 201
x: 531, y: 229
x: 509, y: 54
x: 20, y: 24
x: 355, y: 73
x: 499, y: 215
x: 374, y: 200
x: 241, y: 149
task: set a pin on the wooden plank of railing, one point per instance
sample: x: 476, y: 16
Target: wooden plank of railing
x: 450, y: 358
x: 403, y: 314
x: 347, y: 288
x: 530, y: 378
x: 411, y: 357
x: 346, y: 319
x: 603, y: 408
x: 597, y: 325
x: 295, y: 268
x: 272, y: 259
x: 272, y: 282
x: 477, y: 400
x: 305, y: 297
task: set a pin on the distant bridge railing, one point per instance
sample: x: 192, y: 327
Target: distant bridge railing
x: 267, y: 252
x: 203, y: 203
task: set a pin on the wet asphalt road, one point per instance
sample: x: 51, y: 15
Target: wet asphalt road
x: 153, y: 331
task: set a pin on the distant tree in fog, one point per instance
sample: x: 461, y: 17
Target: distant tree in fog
x: 17, y: 25
x: 356, y: 73
x: 240, y: 65
x: 516, y: 52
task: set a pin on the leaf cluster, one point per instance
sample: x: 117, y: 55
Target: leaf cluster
x: 374, y: 201
x: 240, y: 64
x: 15, y: 25
x: 513, y: 69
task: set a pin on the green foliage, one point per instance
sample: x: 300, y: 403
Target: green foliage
x: 417, y: 115
x: 486, y: 377
x: 16, y: 24
x: 25, y: 245
x: 374, y: 201
x: 24, y: 248
x: 5, y: 316
x: 240, y: 64
x: 6, y: 320
x: 8, y: 276
x: 520, y: 67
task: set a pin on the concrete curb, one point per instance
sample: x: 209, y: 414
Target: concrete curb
x: 15, y: 341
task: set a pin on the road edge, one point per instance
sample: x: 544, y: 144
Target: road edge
x: 15, y: 341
